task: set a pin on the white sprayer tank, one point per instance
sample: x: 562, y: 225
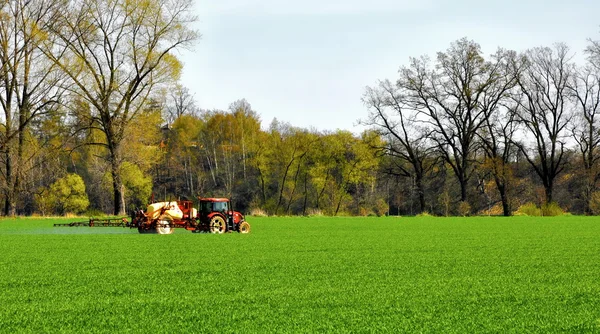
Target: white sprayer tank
x: 172, y: 209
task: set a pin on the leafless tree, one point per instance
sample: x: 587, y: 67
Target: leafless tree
x: 544, y: 111
x: 499, y: 127
x: 29, y: 85
x: 454, y: 98
x: 181, y: 102
x: 404, y: 139
x: 584, y: 87
x: 593, y: 52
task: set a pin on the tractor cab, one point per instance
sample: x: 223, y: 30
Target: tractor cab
x: 210, y: 205
x: 219, y: 216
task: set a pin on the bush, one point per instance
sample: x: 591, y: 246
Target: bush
x: 528, y: 209
x: 315, y: 213
x: 464, y: 208
x: 65, y: 196
x: 381, y: 207
x: 595, y: 203
x: 495, y: 210
x: 552, y: 209
x: 257, y: 212
x: 424, y: 214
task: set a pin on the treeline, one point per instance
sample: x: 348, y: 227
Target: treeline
x: 93, y: 121
x: 283, y: 170
x: 80, y: 84
x: 508, y: 129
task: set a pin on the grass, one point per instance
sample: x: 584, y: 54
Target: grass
x: 423, y: 274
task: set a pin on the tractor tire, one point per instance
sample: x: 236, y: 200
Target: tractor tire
x: 164, y: 225
x: 217, y: 225
x: 244, y: 227
x: 146, y: 230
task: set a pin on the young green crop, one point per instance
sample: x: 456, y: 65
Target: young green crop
x: 518, y: 274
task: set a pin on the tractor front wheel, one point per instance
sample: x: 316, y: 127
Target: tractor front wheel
x: 163, y: 226
x: 244, y: 227
x: 217, y: 225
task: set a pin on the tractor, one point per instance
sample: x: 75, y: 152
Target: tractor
x: 214, y: 215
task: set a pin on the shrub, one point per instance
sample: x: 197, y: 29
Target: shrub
x: 595, y: 203
x: 552, y: 209
x: 424, y: 214
x: 362, y: 211
x: 529, y: 209
x: 495, y: 210
x: 314, y: 212
x: 257, y: 212
x: 65, y: 196
x: 464, y: 208
x: 381, y: 207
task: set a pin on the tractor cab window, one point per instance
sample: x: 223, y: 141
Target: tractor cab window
x: 206, y: 207
x: 220, y: 206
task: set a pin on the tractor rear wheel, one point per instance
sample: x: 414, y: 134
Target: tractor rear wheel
x: 164, y: 225
x: 244, y: 227
x: 143, y: 230
x: 217, y: 225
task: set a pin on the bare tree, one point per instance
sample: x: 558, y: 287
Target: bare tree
x: 119, y: 52
x: 584, y: 87
x: 403, y: 138
x: 454, y: 99
x: 544, y: 111
x: 496, y: 140
x: 181, y: 102
x: 29, y: 85
x: 499, y: 127
x: 593, y: 52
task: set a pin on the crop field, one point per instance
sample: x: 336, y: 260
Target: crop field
x: 518, y: 274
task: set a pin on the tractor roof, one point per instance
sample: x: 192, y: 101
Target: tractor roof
x: 213, y: 199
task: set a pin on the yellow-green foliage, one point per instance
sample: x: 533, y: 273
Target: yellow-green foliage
x: 424, y: 214
x: 552, y: 209
x: 66, y: 195
x: 138, y: 186
x: 595, y: 203
x: 495, y: 210
x: 549, y: 209
x: 381, y: 207
x: 464, y: 208
x: 528, y: 209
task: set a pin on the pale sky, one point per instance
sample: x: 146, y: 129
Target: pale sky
x: 308, y: 62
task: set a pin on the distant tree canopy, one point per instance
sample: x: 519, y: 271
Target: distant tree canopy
x: 93, y: 117
x: 513, y: 129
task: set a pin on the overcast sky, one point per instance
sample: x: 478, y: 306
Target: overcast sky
x: 308, y: 62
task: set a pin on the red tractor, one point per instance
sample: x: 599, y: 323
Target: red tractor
x: 214, y: 215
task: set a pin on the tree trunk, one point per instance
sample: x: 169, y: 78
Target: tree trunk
x: 118, y: 193
x: 463, y: 189
x: 9, y: 191
x: 285, y: 174
x: 504, y: 198
x: 421, y: 191
x: 305, y: 194
x: 548, y: 190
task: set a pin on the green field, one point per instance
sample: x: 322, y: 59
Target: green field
x: 519, y: 274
